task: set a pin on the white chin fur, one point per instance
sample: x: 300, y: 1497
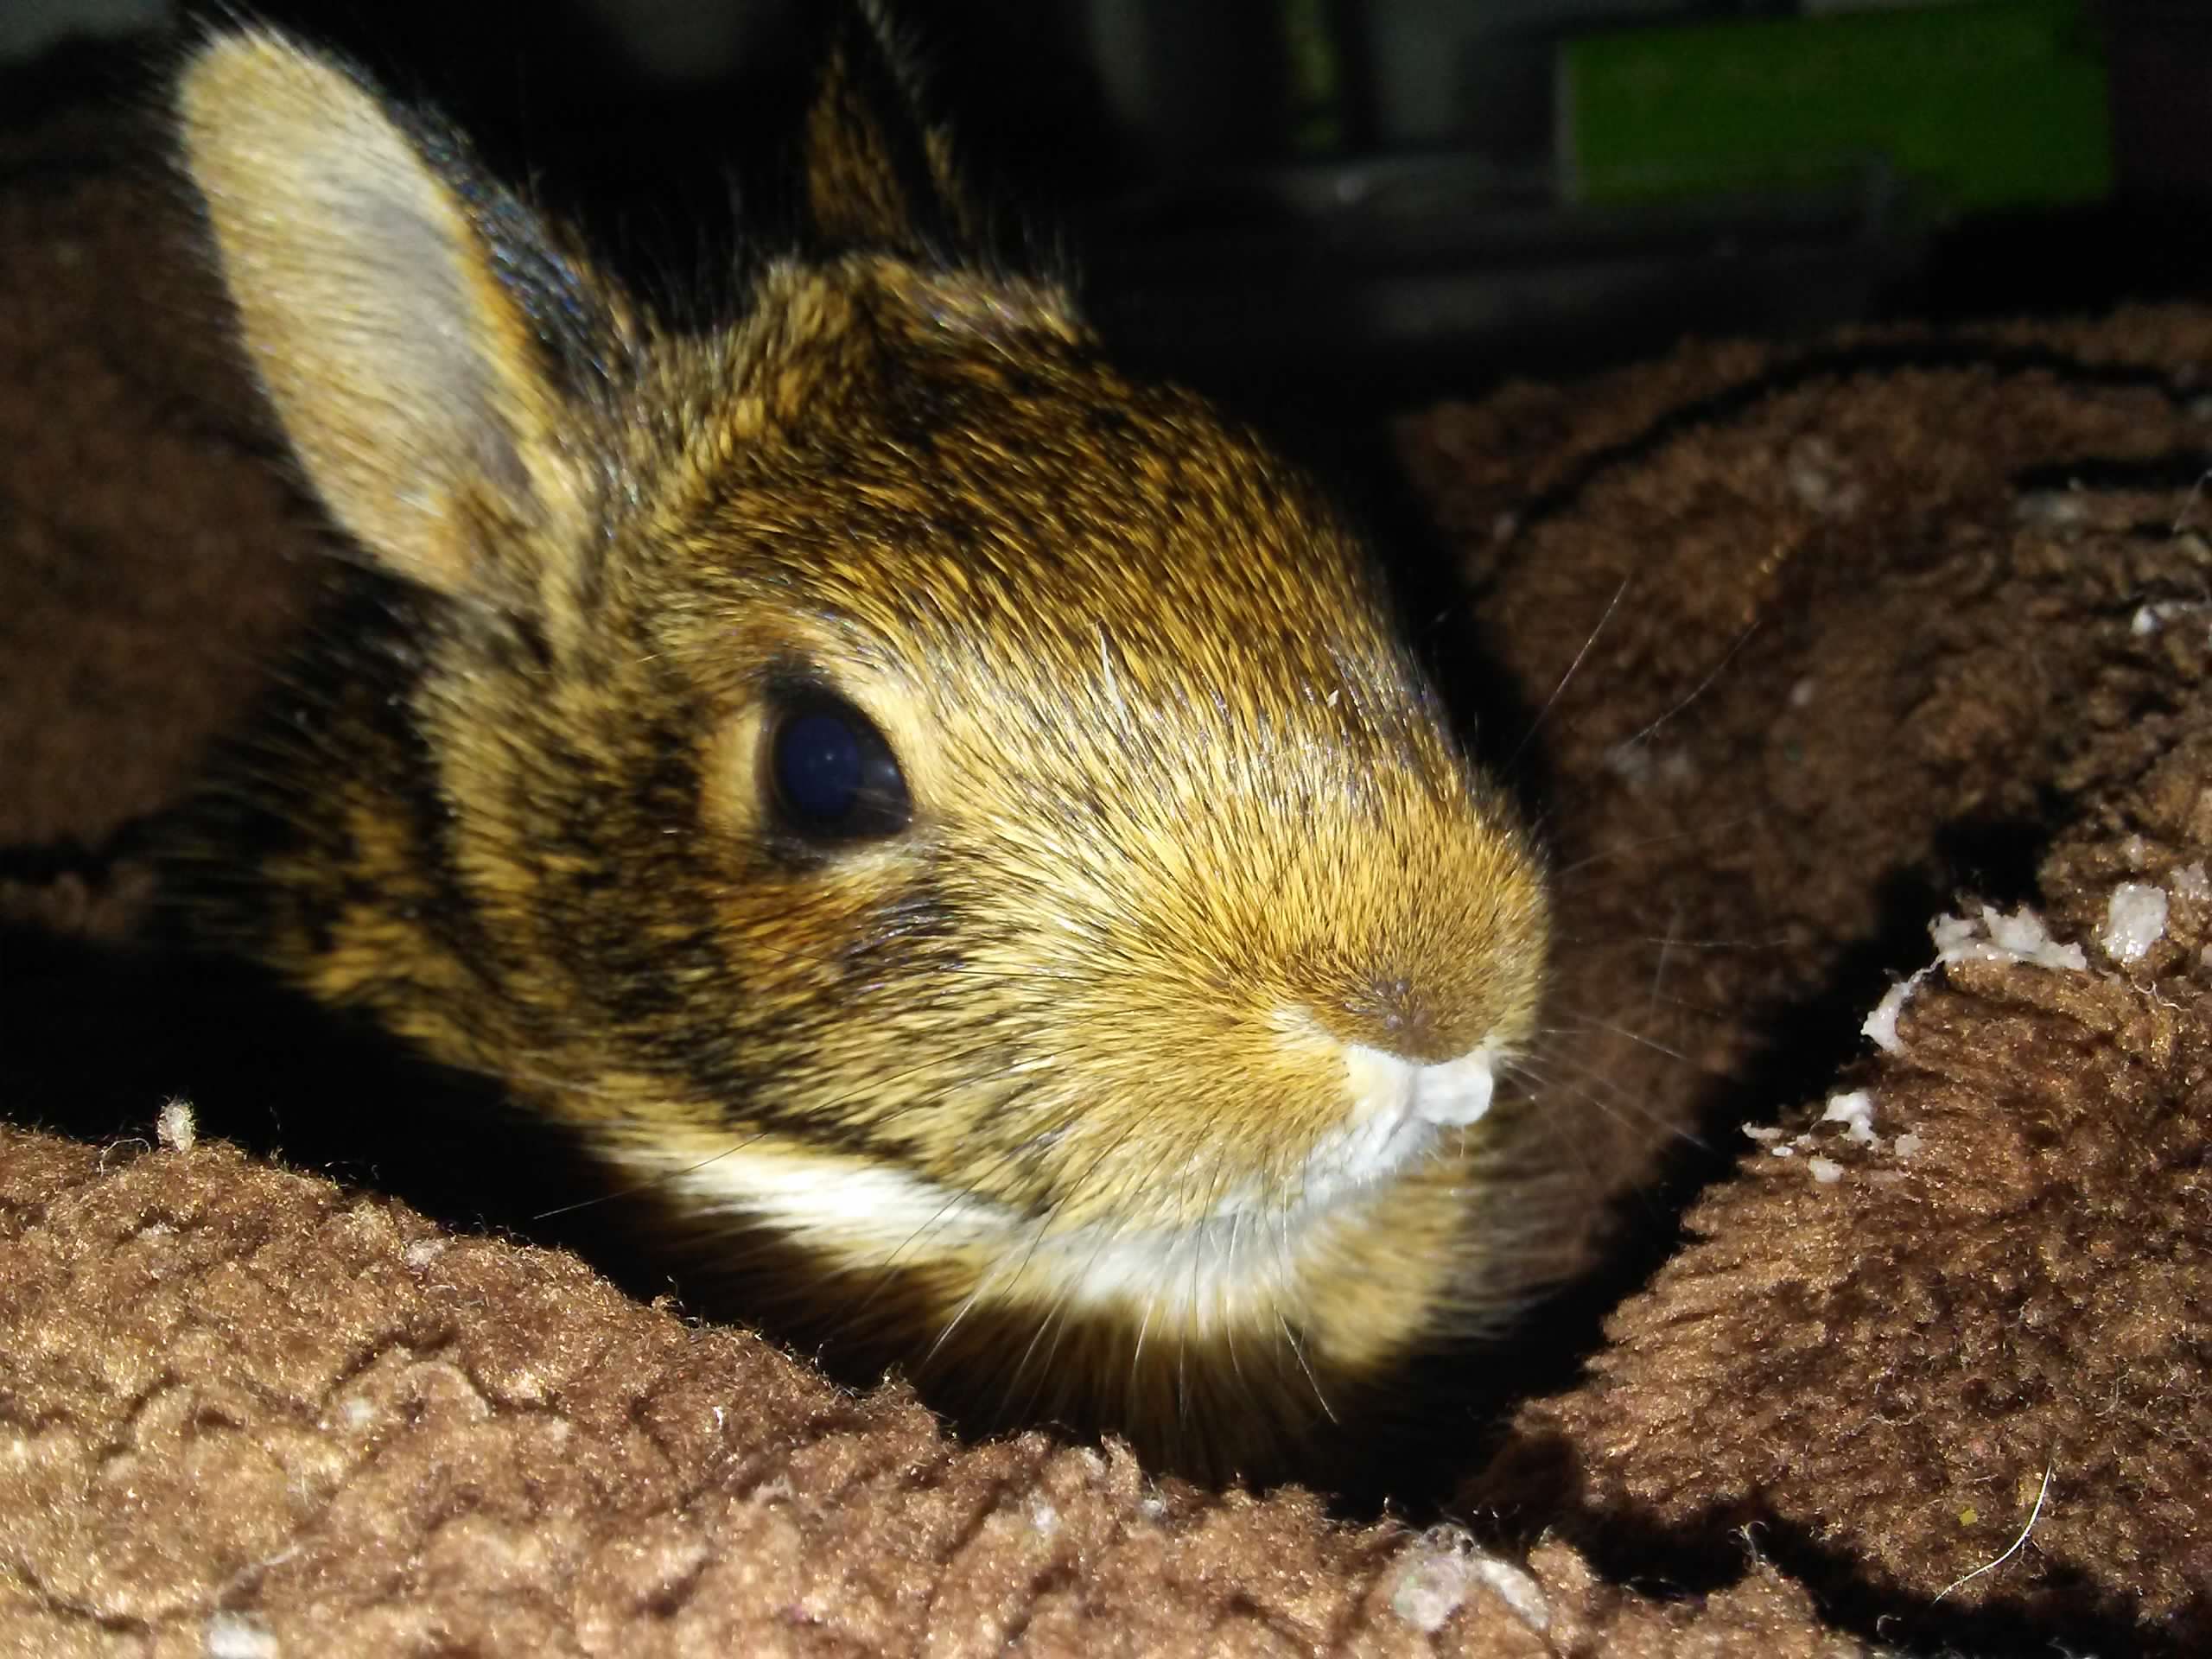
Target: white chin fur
x: 1244, y: 1254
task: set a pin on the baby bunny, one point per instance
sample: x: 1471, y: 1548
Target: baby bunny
x: 957, y: 829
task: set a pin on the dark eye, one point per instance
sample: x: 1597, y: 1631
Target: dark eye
x: 831, y: 776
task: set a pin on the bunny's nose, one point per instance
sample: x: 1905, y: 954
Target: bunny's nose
x: 1392, y: 1015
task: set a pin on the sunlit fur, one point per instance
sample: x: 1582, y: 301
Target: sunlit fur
x: 1025, y: 1096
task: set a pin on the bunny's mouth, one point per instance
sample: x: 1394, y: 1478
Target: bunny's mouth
x: 1245, y: 1256
x: 1401, y: 1109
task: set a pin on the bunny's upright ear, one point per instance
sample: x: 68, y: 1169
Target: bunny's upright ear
x: 878, y: 173
x: 417, y: 331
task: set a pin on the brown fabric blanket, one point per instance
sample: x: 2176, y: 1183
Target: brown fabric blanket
x: 1906, y: 1340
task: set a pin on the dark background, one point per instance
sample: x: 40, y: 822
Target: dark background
x: 1405, y: 231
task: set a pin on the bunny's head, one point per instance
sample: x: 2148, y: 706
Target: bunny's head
x: 919, y: 799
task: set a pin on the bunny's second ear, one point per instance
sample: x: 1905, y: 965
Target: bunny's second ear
x: 878, y: 174
x: 407, y: 318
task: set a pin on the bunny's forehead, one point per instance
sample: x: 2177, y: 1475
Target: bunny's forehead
x: 938, y: 491
x: 1009, y: 505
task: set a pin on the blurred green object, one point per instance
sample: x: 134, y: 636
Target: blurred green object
x: 1316, y: 76
x: 1991, y: 104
